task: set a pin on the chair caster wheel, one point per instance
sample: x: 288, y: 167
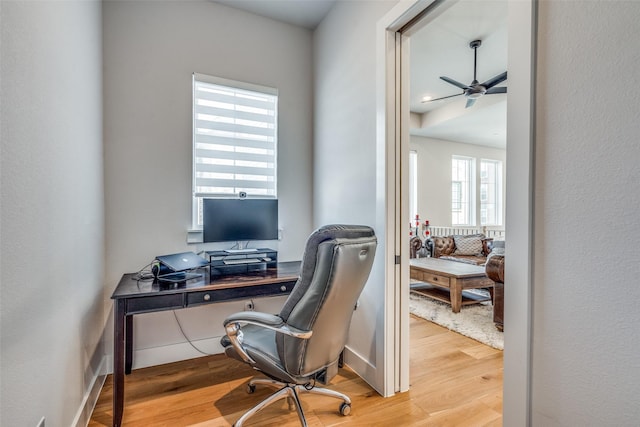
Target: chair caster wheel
x: 251, y: 388
x: 345, y: 409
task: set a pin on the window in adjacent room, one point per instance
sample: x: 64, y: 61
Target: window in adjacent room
x: 462, y: 184
x: 413, y: 185
x: 235, y: 140
x: 490, y: 192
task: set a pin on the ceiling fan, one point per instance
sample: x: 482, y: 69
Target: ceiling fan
x: 475, y: 90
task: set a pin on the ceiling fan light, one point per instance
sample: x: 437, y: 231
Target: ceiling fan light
x: 475, y: 90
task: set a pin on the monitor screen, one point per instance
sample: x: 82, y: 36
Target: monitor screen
x: 228, y: 220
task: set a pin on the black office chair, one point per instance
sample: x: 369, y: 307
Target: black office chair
x: 301, y: 346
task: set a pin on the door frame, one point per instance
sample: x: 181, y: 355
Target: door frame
x: 392, y: 144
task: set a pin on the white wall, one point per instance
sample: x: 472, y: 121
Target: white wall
x: 52, y: 224
x: 345, y: 154
x: 585, y: 317
x: 586, y: 369
x: 434, y: 174
x: 151, y: 50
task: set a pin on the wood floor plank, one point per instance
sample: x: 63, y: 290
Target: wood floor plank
x: 471, y: 414
x: 455, y: 381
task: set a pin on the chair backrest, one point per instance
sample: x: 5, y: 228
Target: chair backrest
x: 335, y: 267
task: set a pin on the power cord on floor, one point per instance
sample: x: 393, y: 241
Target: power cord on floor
x: 187, y: 338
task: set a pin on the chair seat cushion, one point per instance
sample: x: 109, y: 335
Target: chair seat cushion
x: 260, y: 345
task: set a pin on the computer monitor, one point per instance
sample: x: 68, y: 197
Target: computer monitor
x: 228, y: 220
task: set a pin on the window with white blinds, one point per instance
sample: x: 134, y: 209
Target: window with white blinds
x: 462, y: 190
x: 413, y: 185
x: 490, y: 192
x: 235, y: 140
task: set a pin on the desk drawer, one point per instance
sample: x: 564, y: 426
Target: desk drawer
x: 157, y: 303
x: 436, y: 279
x: 204, y: 297
x: 230, y: 294
x: 432, y: 278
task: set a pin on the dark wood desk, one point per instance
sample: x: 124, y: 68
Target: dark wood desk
x: 136, y: 297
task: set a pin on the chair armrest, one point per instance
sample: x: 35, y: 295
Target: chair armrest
x: 254, y: 316
x: 268, y: 321
x: 264, y: 320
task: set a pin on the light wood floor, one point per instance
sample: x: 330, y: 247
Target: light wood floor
x: 455, y: 381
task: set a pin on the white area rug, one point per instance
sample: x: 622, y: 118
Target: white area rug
x: 474, y: 321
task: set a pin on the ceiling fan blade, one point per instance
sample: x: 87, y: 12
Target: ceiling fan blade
x: 494, y: 81
x: 455, y: 83
x: 444, y: 97
x: 501, y: 89
x: 470, y: 102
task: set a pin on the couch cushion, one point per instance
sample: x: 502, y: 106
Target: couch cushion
x: 468, y: 245
x: 442, y: 246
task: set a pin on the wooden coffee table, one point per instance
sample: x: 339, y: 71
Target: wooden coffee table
x: 446, y: 281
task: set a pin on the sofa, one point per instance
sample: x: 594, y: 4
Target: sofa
x: 495, y: 271
x: 470, y: 249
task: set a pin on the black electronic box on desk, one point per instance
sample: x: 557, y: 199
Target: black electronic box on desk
x: 225, y: 262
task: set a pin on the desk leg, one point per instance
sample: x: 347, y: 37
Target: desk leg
x: 118, y: 360
x: 128, y: 344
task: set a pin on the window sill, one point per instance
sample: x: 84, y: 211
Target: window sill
x: 194, y: 236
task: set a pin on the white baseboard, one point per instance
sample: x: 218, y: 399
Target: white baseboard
x: 361, y: 366
x: 176, y: 352
x: 91, y: 395
x: 153, y: 356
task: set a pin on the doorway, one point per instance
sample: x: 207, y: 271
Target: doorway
x: 394, y: 139
x: 455, y: 139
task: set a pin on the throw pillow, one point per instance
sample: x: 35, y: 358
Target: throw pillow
x: 497, y: 251
x: 498, y: 244
x: 498, y: 247
x: 468, y: 245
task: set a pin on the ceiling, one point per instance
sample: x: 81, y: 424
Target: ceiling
x: 440, y: 48
x: 303, y: 13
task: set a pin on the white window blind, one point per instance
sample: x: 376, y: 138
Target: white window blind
x: 235, y: 138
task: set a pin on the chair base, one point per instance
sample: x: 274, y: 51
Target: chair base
x: 291, y: 391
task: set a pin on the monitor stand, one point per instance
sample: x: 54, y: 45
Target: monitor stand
x: 240, y: 251
x: 225, y: 262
